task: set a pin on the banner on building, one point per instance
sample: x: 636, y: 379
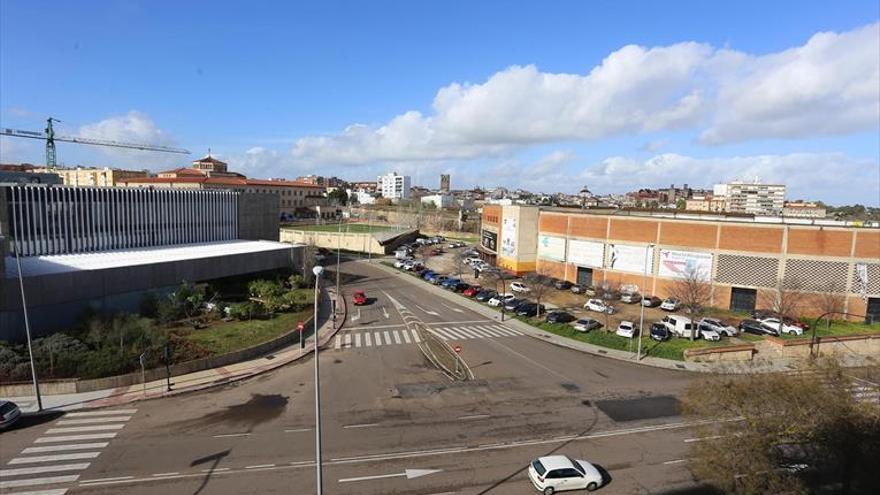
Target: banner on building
x: 508, y: 237
x: 679, y: 264
x: 551, y: 248
x: 586, y: 253
x: 862, y: 280
x: 489, y: 240
x: 630, y: 258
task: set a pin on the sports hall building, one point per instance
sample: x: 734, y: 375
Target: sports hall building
x: 744, y: 257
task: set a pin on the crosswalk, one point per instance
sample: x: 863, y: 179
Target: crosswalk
x: 364, y: 337
x: 65, y: 450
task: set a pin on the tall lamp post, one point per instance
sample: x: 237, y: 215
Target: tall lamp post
x: 648, y: 249
x: 27, y: 329
x: 317, y: 270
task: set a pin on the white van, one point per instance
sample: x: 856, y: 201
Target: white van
x: 680, y: 326
x: 401, y: 254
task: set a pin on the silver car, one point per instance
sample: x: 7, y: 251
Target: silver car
x: 9, y: 413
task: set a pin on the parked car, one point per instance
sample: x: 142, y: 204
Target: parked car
x: 500, y: 299
x: 519, y: 287
x: 473, y: 259
x: 472, y: 291
x: 513, y: 304
x: 402, y: 253
x: 9, y: 413
x: 586, y: 324
x: 780, y: 326
x: 400, y: 262
x: 436, y: 252
x: 659, y: 332
x: 627, y: 329
x: 530, y: 309
x: 755, y: 327
x: 412, y: 265
x: 651, y: 301
x: 485, y: 295
x: 670, y: 304
x: 559, y: 317
x: 359, y: 298
x: 708, y: 334
x: 562, y: 284
x: 558, y: 473
x: 599, y: 306
x: 718, y: 326
x: 630, y: 297
x: 577, y: 289
x: 428, y: 274
x: 590, y: 291
x: 680, y: 326
x: 439, y: 279
x: 450, y: 282
x: 456, y: 244
x: 459, y: 287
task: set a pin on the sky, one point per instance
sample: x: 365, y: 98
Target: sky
x: 546, y: 96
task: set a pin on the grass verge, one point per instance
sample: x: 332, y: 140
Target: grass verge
x: 227, y: 336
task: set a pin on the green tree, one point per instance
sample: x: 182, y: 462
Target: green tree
x: 338, y: 195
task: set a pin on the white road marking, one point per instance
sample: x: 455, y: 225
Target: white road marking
x: 75, y: 429
x: 408, y: 474
x: 61, y: 448
x: 43, y: 469
x: 56, y: 457
x: 490, y: 331
x: 76, y: 438
x: 406, y: 336
x: 396, y: 336
x: 164, y: 474
x: 99, y: 413
x: 214, y: 470
x: 357, y: 340
x: 453, y: 308
x: 338, y: 342
x: 385, y: 313
x: 475, y: 416
x: 691, y: 440
x: 368, y: 339
x: 118, y: 478
x: 230, y: 435
x: 439, y: 333
x: 465, y: 322
x: 49, y: 480
x: 455, y: 335
x: 362, y: 425
x: 91, y: 421
x: 59, y: 491
x: 469, y: 332
x: 297, y: 430
x: 677, y: 461
x: 356, y: 316
x: 415, y: 335
x: 347, y: 340
x: 260, y: 466
x: 504, y: 330
x: 432, y: 313
x: 387, y: 337
x: 378, y: 338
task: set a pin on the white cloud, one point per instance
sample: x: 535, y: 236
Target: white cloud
x: 133, y: 127
x: 846, y: 180
x: 829, y: 85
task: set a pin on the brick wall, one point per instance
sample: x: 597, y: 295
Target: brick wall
x: 867, y: 244
x: 752, y: 239
x: 700, y: 235
x: 819, y: 242
x: 633, y: 230
x: 588, y: 226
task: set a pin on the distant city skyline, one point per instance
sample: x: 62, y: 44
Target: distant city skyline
x: 548, y: 98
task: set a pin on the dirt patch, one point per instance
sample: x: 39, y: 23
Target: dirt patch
x: 641, y: 408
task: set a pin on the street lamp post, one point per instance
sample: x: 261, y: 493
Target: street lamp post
x: 317, y: 270
x: 27, y: 329
x: 648, y: 249
x: 338, y: 253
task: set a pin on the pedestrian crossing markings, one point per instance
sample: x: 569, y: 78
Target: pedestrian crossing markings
x: 366, y: 338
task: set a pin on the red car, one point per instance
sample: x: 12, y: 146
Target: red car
x: 359, y: 298
x: 472, y: 290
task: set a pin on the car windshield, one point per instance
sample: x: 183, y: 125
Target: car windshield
x: 576, y: 465
x: 539, y: 468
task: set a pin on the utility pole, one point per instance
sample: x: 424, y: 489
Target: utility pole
x: 338, y: 253
x: 27, y: 329
x: 649, y: 249
x: 317, y: 270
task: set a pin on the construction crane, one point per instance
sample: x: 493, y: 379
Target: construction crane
x: 49, y: 136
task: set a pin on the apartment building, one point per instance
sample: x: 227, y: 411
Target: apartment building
x: 393, y: 186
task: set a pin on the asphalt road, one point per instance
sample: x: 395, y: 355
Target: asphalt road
x: 384, y: 411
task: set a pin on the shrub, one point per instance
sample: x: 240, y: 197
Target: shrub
x: 296, y: 281
x: 244, y: 310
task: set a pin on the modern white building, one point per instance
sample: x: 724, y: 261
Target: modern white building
x: 362, y: 197
x: 439, y: 200
x: 394, y: 186
x: 755, y: 198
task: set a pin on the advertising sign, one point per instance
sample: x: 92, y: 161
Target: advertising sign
x: 630, y: 258
x: 586, y: 253
x: 551, y: 248
x: 489, y: 240
x: 678, y: 264
x: 508, y: 237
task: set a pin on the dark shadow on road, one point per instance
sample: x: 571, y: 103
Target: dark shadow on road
x: 481, y: 364
x: 214, y: 460
x: 555, y: 450
x: 694, y: 490
x: 28, y: 420
x: 259, y: 409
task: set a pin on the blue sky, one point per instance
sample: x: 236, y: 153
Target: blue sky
x: 542, y: 95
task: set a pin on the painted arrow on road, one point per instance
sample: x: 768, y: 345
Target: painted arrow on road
x: 408, y: 474
x: 434, y: 313
x: 385, y: 313
x: 453, y: 308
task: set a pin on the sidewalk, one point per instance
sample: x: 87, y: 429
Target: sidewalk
x: 756, y: 366
x: 200, y: 380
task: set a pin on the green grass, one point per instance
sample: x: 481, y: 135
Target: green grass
x: 222, y: 337
x: 356, y: 228
x: 837, y: 327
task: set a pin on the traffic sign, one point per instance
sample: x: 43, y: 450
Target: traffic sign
x: 300, y: 326
x: 457, y: 348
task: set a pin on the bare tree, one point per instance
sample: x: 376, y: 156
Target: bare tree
x: 608, y: 291
x: 538, y: 283
x: 832, y: 298
x: 458, y: 258
x: 310, y: 252
x: 786, y: 300
x: 783, y: 432
x: 694, y: 291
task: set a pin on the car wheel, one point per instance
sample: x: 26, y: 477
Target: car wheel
x: 592, y: 486
x: 549, y: 490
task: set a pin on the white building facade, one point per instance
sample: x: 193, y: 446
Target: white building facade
x: 752, y: 197
x: 394, y: 186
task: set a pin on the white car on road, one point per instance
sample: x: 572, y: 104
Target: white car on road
x: 778, y: 325
x: 559, y: 473
x: 500, y: 299
x: 519, y: 287
x: 599, y: 306
x: 670, y: 304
